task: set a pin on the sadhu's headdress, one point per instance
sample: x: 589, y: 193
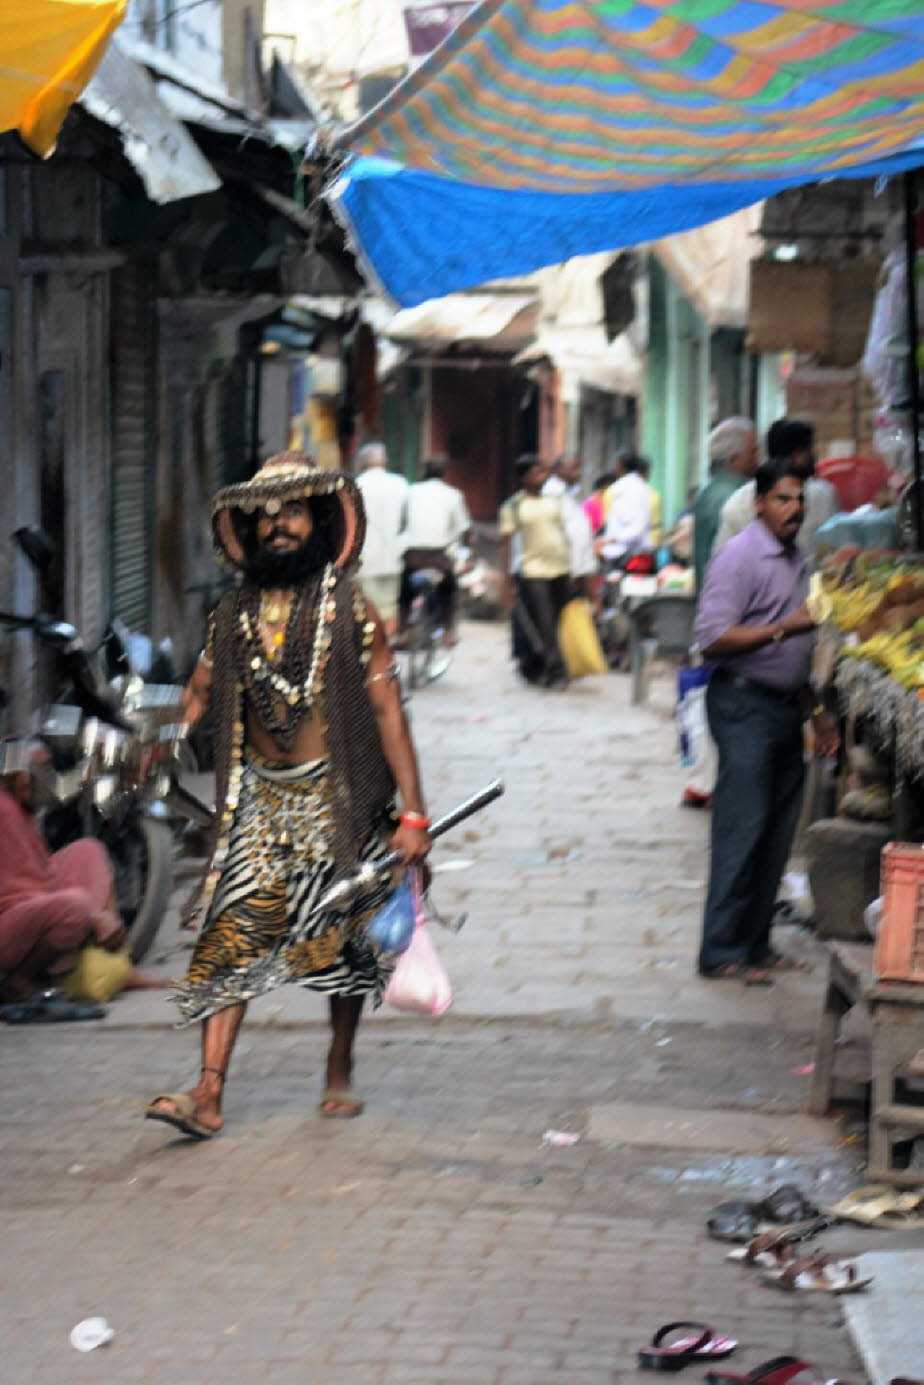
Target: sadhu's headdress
x: 291, y: 476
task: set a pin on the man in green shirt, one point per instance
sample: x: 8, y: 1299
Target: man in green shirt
x: 732, y: 461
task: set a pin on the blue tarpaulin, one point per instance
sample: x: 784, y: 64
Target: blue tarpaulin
x: 543, y: 129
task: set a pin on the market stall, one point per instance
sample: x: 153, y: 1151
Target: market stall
x: 871, y: 651
x: 870, y: 669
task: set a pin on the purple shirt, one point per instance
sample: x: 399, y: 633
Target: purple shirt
x: 756, y: 580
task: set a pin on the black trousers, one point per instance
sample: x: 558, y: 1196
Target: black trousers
x: 417, y: 559
x: 535, y: 634
x: 755, y: 810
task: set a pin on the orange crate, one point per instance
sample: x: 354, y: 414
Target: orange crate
x: 899, y: 954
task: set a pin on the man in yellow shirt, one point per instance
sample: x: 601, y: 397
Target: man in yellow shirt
x: 539, y: 572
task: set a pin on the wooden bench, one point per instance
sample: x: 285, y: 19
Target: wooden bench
x: 896, y: 1010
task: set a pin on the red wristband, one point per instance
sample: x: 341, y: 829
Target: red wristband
x: 415, y: 820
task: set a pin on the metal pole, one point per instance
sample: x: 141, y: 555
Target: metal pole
x: 909, y: 181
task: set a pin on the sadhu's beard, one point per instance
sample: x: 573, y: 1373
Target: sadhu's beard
x: 267, y: 568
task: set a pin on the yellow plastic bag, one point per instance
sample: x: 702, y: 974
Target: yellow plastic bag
x: 98, y: 976
x: 577, y: 637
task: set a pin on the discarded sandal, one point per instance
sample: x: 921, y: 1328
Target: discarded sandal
x: 734, y: 1221
x: 772, y: 1249
x: 347, y: 1105
x: 818, y: 1274
x: 768, y: 1251
x: 183, y: 1117
x: 778, y: 1371
x: 787, y: 1203
x: 53, y: 1008
x: 879, y: 1205
x: 698, y: 1342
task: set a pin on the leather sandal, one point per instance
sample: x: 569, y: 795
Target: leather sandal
x: 348, y: 1105
x: 818, y: 1274
x: 698, y: 1343
x: 183, y: 1117
x: 780, y: 1370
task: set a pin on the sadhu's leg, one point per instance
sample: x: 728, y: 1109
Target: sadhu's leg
x: 338, y: 1101
x: 198, y: 1111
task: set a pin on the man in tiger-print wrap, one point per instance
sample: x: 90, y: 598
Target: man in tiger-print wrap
x: 311, y: 745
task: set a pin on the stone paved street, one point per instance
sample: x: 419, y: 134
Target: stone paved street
x: 438, y: 1239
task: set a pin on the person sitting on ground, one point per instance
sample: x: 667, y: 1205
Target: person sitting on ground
x: 438, y: 521
x: 51, y: 903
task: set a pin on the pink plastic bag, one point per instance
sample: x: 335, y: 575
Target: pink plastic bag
x: 419, y: 983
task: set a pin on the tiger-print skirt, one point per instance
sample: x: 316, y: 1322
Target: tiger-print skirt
x: 263, y: 928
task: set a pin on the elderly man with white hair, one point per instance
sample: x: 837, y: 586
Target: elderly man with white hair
x: 385, y: 496
x: 732, y: 460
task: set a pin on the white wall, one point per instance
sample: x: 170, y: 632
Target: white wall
x: 190, y: 33
x: 335, y: 42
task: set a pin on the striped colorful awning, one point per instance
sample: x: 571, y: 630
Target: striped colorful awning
x: 719, y: 101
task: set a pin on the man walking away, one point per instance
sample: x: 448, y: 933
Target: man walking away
x: 539, y: 588
x: 628, y: 514
x: 794, y: 440
x: 437, y: 523
x: 564, y: 485
x: 385, y: 498
x: 752, y: 623
x: 732, y: 446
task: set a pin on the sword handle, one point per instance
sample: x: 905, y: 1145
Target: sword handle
x: 341, y: 893
x: 453, y: 818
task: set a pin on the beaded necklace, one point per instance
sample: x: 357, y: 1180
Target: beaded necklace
x: 281, y: 693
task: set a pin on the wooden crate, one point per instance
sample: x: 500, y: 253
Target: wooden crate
x: 899, y: 954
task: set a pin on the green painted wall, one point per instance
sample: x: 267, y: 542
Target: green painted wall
x: 402, y: 406
x: 676, y: 388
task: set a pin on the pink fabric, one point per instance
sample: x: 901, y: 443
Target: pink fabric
x: 45, y: 897
x: 593, y: 509
x: 84, y: 865
x: 25, y: 861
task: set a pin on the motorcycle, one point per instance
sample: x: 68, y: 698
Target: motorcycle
x: 114, y: 762
x: 626, y: 583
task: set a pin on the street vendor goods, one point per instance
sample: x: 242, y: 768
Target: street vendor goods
x: 876, y: 600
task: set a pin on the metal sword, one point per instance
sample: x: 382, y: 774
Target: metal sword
x: 340, y: 894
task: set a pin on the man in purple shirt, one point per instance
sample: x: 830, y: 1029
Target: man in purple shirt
x: 752, y: 624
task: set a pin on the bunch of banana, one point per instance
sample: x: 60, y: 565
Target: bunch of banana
x: 902, y: 656
x: 850, y: 606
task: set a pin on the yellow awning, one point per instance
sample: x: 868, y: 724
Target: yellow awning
x: 48, y: 52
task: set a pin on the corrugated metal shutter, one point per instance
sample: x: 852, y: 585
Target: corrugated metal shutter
x: 133, y: 452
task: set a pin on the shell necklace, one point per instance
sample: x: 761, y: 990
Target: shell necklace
x: 261, y: 661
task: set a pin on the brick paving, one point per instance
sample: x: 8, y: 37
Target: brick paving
x: 437, y: 1239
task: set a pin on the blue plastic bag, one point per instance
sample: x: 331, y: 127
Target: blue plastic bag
x: 392, y: 928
